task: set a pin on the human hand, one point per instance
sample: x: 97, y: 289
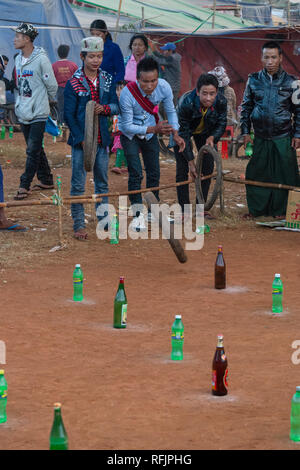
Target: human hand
x: 98, y: 109
x: 179, y: 141
x: 210, y: 141
x: 192, y: 169
x: 296, y: 143
x: 163, y: 127
x: 247, y: 139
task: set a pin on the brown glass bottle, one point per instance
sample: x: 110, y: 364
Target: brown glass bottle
x: 220, y: 370
x: 220, y: 270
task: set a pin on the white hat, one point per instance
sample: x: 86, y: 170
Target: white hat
x: 92, y: 44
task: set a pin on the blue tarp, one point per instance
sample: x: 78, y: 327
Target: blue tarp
x: 56, y: 13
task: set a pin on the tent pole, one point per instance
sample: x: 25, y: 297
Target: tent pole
x: 214, y: 15
x: 118, y: 20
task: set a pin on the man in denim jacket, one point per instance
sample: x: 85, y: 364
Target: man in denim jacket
x: 89, y: 83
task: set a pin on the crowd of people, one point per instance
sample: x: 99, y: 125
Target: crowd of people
x: 133, y: 92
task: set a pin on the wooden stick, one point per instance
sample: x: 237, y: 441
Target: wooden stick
x: 59, y: 211
x: 94, y: 197
x: 262, y: 184
x: 118, y: 20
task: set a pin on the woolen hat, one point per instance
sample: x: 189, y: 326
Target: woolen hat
x: 92, y: 44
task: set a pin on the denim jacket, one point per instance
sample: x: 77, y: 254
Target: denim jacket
x: 77, y: 94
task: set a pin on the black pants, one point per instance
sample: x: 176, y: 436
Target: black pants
x: 150, y: 154
x: 36, y: 162
x: 182, y: 172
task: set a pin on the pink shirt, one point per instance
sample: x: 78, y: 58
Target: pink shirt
x: 130, y: 70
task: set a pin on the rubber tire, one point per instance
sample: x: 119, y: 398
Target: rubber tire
x: 90, y: 136
x: 174, y: 243
x: 218, y: 184
x: 163, y: 148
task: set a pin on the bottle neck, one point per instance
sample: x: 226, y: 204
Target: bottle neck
x: 220, y: 343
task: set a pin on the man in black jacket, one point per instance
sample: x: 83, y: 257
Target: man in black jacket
x: 202, y: 114
x: 271, y: 105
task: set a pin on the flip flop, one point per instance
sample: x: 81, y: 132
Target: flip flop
x: 38, y: 187
x: 14, y: 228
x: 80, y: 236
x: 22, y: 193
x: 208, y: 216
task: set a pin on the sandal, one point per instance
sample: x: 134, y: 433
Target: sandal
x: 208, y: 216
x: 248, y: 216
x: 117, y: 170
x: 38, y: 187
x: 22, y: 193
x: 81, y: 236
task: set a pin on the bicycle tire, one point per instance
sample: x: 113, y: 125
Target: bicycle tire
x: 218, y: 183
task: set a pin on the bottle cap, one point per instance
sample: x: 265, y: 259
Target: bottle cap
x: 77, y: 265
x: 298, y: 388
x: 277, y: 275
x: 57, y: 406
x: 178, y: 317
x: 1, y: 372
x: 221, y: 336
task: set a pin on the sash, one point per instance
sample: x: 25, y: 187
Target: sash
x: 144, y: 102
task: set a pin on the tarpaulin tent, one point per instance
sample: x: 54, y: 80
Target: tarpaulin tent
x: 57, y: 14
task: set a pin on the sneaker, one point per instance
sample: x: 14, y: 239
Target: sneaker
x: 138, y: 224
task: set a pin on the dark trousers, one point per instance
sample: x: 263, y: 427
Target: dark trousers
x: 150, y: 154
x: 36, y: 162
x: 60, y: 104
x: 182, y: 172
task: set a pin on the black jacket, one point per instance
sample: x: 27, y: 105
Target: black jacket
x: 269, y: 106
x: 189, y: 116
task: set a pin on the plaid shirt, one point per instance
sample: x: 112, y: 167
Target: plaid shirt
x: 95, y: 97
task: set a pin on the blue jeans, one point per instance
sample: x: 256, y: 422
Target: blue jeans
x: 150, y: 154
x: 78, y: 183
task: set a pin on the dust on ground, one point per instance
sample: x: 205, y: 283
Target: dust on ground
x: 119, y: 389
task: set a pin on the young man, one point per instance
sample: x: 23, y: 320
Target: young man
x: 139, y: 125
x: 63, y: 70
x: 202, y: 115
x: 268, y: 105
x: 169, y: 62
x: 36, y: 86
x: 89, y: 83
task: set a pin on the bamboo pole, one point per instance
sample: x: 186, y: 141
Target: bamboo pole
x: 98, y: 197
x: 58, y: 182
x: 118, y: 20
x: 262, y: 184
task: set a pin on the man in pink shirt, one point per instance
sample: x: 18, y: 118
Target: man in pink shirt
x: 63, y: 70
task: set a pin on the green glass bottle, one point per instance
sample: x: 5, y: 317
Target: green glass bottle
x: 114, y: 230
x: 295, y: 416
x: 249, y: 146
x: 77, y: 284
x: 3, y: 397
x: 277, y: 291
x: 203, y: 229
x: 120, y: 306
x: 10, y: 132
x: 58, y: 436
x: 2, y: 133
x: 177, y: 339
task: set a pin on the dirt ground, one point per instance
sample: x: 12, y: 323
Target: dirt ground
x: 119, y: 389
